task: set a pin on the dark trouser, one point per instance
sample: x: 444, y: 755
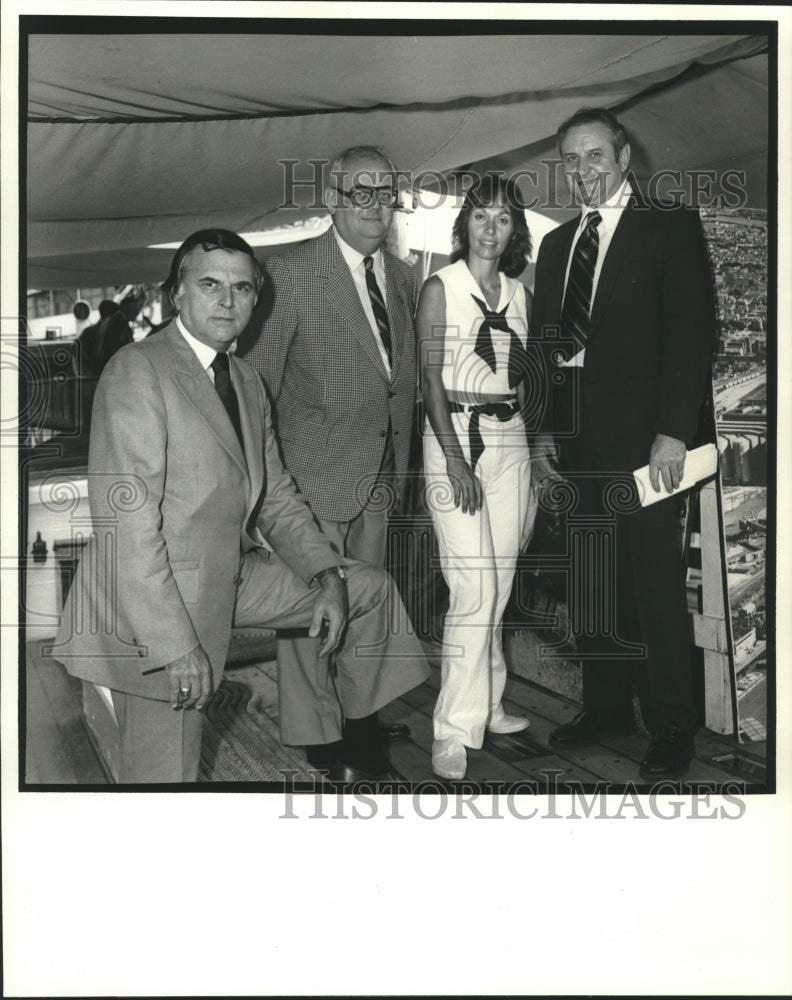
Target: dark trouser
x: 628, y: 605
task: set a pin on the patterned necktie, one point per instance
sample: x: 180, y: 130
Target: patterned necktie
x: 225, y: 390
x: 378, y: 305
x: 497, y: 321
x: 577, y: 300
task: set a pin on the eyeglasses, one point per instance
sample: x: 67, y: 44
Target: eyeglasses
x: 364, y: 197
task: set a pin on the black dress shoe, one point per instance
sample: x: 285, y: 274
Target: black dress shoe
x: 345, y: 774
x: 322, y: 756
x: 588, y: 728
x: 391, y: 731
x: 669, y: 754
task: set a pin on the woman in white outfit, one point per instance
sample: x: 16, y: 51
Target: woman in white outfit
x: 472, y: 326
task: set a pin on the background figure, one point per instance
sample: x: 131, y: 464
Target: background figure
x: 116, y: 331
x: 89, y: 339
x: 337, y: 355
x: 156, y: 327
x: 198, y: 526
x: 629, y: 285
x: 472, y: 327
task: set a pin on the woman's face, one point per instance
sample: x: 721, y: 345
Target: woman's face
x: 489, y: 231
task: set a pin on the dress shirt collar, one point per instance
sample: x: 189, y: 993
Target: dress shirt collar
x: 610, y: 210
x: 354, y: 258
x: 203, y: 352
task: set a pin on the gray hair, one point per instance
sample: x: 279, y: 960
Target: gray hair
x: 340, y: 164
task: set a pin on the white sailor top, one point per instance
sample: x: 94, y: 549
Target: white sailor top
x: 484, y: 349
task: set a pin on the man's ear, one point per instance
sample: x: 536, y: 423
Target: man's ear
x: 330, y: 199
x: 624, y: 157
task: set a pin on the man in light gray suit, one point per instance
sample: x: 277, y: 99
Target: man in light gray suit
x: 337, y: 355
x: 197, y: 526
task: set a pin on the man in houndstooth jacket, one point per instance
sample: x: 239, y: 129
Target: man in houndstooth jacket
x: 342, y: 379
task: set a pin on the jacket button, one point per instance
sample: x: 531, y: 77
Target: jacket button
x: 237, y: 579
x: 383, y: 434
x: 391, y: 393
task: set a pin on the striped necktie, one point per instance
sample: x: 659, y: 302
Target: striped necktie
x: 378, y: 305
x: 577, y: 300
x: 225, y: 390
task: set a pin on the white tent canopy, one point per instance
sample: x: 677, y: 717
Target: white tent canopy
x: 136, y: 140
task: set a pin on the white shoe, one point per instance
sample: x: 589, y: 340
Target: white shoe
x: 449, y: 759
x: 508, y: 724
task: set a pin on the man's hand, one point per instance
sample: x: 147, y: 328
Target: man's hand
x: 466, y: 485
x: 666, y: 459
x: 544, y: 473
x: 190, y: 680
x: 332, y: 606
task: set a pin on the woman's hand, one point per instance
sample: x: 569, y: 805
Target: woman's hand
x: 465, y: 483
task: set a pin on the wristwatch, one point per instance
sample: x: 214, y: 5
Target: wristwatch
x: 338, y: 571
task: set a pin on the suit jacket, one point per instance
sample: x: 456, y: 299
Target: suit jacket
x: 174, y: 505
x: 652, y: 328
x: 319, y: 360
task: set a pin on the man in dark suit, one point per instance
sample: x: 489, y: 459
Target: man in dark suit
x: 116, y: 331
x: 197, y: 526
x: 337, y: 355
x: 90, y: 339
x: 628, y: 286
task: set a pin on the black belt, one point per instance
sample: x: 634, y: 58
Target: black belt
x: 503, y: 411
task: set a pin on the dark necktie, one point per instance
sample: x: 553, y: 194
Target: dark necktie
x: 378, y: 305
x: 497, y: 321
x: 577, y: 300
x: 225, y: 390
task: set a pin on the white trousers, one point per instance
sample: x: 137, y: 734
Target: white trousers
x: 478, y: 555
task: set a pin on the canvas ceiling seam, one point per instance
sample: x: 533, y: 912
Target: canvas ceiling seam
x: 449, y: 140
x: 33, y: 119
x: 616, y: 59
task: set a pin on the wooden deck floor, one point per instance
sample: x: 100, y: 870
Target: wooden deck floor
x: 59, y: 750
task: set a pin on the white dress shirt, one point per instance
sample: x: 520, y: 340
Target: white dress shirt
x: 354, y: 260
x: 203, y: 352
x: 611, y: 211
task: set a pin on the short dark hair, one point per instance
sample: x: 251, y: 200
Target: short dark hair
x: 592, y: 116
x: 131, y: 305
x: 483, y: 193
x: 208, y: 239
x: 107, y: 307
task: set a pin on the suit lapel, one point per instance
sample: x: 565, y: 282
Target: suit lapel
x: 244, y: 383
x: 398, y: 308
x: 623, y: 236
x: 556, y: 297
x: 343, y: 295
x: 199, y: 392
